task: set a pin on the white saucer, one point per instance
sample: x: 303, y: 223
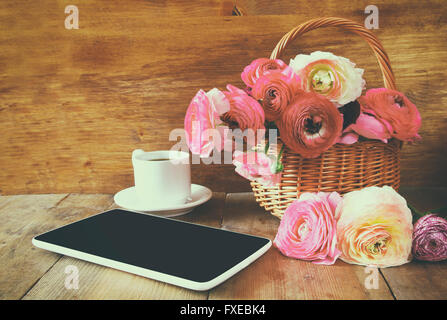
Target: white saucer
x: 128, y: 199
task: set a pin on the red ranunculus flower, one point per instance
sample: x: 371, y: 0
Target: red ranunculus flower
x: 396, y: 112
x: 245, y: 112
x: 276, y: 89
x: 310, y: 125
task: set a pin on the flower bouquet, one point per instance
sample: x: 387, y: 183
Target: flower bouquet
x: 372, y: 227
x: 306, y: 126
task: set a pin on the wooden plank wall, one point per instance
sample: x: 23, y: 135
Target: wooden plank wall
x: 75, y: 103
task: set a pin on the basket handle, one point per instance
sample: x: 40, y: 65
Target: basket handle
x: 368, y: 36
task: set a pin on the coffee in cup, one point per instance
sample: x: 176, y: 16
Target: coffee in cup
x: 162, y: 178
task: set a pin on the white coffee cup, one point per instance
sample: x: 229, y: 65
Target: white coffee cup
x: 162, y: 178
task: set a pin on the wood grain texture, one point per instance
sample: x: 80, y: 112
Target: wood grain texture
x: 274, y: 276
x: 209, y: 214
x: 101, y: 283
x: 22, y: 265
x: 98, y: 282
x: 24, y: 217
x: 75, y: 103
x: 33, y: 273
x: 408, y: 9
x: 420, y: 279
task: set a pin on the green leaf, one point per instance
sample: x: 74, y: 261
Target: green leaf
x: 440, y: 211
x: 416, y: 213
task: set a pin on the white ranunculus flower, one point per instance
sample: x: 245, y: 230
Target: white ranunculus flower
x: 335, y: 77
x: 374, y: 227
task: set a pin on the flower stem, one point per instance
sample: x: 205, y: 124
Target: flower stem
x: 279, y: 165
x: 280, y: 152
x: 415, y: 211
x: 440, y: 211
x: 267, y: 146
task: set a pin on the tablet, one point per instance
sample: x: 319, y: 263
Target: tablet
x: 180, y: 253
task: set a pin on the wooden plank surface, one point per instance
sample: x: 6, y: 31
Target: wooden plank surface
x: 420, y: 279
x: 98, y: 282
x: 274, y: 276
x: 24, y: 217
x: 33, y: 273
x: 75, y: 103
x: 408, y: 9
x: 22, y: 264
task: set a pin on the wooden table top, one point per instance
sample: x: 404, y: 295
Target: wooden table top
x: 27, y: 272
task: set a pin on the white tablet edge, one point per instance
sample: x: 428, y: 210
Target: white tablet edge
x: 177, y: 281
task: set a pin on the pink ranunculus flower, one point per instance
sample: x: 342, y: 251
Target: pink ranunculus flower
x: 256, y: 166
x: 430, y: 238
x: 276, y: 90
x: 259, y: 67
x: 399, y: 116
x: 335, y: 77
x: 348, y: 136
x: 374, y: 227
x: 370, y: 127
x: 308, y: 228
x: 203, y: 115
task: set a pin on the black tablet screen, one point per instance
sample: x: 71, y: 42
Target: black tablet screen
x: 185, y: 250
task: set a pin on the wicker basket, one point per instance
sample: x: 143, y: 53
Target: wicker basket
x: 342, y: 168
